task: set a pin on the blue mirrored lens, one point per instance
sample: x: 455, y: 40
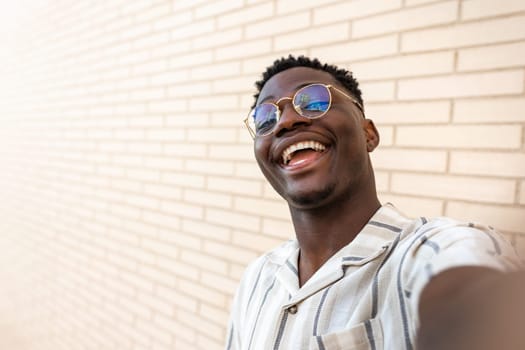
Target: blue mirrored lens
x: 312, y: 101
x: 265, y: 118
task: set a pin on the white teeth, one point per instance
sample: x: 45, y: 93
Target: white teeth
x: 287, y: 153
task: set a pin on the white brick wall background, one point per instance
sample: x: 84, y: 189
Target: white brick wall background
x: 130, y: 201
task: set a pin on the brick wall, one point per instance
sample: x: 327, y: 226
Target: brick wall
x: 130, y: 201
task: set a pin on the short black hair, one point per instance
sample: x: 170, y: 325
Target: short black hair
x: 343, y: 76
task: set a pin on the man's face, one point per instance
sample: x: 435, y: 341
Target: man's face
x: 332, y: 161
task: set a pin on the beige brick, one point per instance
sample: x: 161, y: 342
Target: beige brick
x: 233, y: 185
x: 154, y: 12
x: 501, y: 217
x: 142, y: 175
x: 177, y: 268
x: 159, y: 247
x: 212, y: 135
x: 312, y: 37
x: 382, y: 180
x: 352, y: 51
x: 151, y: 40
x: 206, y: 343
x: 287, y: 6
x: 193, y: 29
x: 377, y: 91
x: 404, y: 66
x: 456, y: 187
x: 167, y: 78
x: 244, y: 49
x: 212, y: 330
x: 466, y: 34
x: 172, y: 21
x: 204, y: 261
x: 490, y: 57
x: 208, y: 198
x: 487, y: 8
x: 465, y: 85
x: 482, y: 136
x: 206, y: 230
x: 218, y: 39
x: 179, y: 239
x: 258, y: 64
x: 143, y: 122
x: 278, y: 25
x: 162, y: 191
x: 229, y: 252
x: 255, y: 242
x: 355, y: 9
x: 418, y: 2
x: 414, y: 206
x: 158, y: 219
x: 227, y: 152
x: 242, y: 84
x: 214, y: 314
x: 217, y: 7
x: 248, y: 170
x: 178, y: 298
x: 162, y: 163
x: 181, y: 209
x: 141, y: 283
x: 167, y: 106
x: 185, y: 5
x: 245, y: 15
x: 216, y: 70
x: 154, y: 332
x: 409, y: 113
x: 183, y: 179
x: 220, y: 283
x: 191, y: 59
x: 189, y: 89
x: 232, y: 219
x: 140, y: 201
x: 157, y: 276
x: 493, y: 110
x: 522, y: 192
x: 185, y: 150
x: 386, y: 135
x: 434, y: 14
x: 165, y: 134
x: 272, y: 208
x: 203, y: 293
x: 281, y: 229
x: 182, y: 331
x: 409, y: 159
x: 187, y: 120
x: 488, y: 163
x: 209, y: 167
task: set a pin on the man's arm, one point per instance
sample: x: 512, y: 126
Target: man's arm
x: 473, y: 308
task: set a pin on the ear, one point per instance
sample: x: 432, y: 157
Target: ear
x: 371, y: 135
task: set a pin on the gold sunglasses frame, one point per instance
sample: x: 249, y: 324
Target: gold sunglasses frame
x: 276, y: 104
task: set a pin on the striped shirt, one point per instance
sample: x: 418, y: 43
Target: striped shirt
x: 366, y: 295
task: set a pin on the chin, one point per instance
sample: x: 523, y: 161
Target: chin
x: 310, y: 199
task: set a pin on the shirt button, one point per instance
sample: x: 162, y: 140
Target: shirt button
x: 292, y: 309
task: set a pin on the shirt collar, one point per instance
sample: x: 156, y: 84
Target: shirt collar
x: 377, y: 235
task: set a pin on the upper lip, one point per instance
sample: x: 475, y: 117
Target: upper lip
x: 277, y: 153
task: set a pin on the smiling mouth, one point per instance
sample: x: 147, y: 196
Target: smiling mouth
x: 301, y: 152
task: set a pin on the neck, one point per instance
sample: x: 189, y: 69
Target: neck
x: 321, y: 232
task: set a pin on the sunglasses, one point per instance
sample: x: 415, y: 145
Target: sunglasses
x: 311, y: 101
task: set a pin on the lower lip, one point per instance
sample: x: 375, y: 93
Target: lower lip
x: 305, y: 164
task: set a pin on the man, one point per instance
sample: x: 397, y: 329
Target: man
x: 359, y: 275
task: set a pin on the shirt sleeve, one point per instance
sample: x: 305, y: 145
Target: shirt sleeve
x: 446, y: 244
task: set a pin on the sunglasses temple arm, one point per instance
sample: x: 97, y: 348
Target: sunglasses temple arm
x: 351, y: 98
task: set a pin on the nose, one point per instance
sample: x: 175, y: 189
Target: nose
x: 289, y: 119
